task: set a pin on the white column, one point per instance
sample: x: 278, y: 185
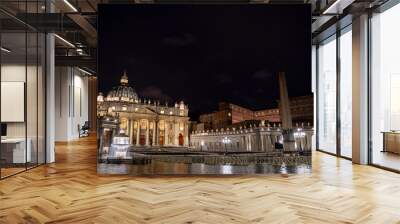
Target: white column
x: 154, y: 133
x: 157, y: 133
x: 252, y: 146
x: 186, y: 137
x: 50, y: 95
x: 360, y: 90
x: 166, y: 132
x: 246, y: 142
x: 262, y: 142
x: 271, y: 141
x: 173, y: 133
x: 250, y: 143
x: 147, y: 133
x: 176, y: 133
x: 63, y: 104
x: 128, y: 130
x: 131, y: 128
x: 137, y: 132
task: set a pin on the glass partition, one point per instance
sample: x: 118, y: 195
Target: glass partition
x: 22, y: 92
x: 385, y: 89
x: 327, y: 96
x: 13, y: 94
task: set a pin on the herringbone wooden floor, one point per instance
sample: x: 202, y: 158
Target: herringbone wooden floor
x: 70, y: 191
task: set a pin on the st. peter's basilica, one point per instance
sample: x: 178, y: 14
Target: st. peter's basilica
x: 125, y: 118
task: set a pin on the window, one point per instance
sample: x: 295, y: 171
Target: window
x: 22, y: 65
x: 346, y: 93
x: 385, y: 88
x: 327, y: 95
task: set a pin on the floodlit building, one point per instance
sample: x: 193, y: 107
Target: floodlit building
x: 251, y: 138
x: 146, y: 122
x: 229, y: 114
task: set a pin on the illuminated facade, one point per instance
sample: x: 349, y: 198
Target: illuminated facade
x: 251, y: 138
x: 229, y: 114
x: 145, y: 122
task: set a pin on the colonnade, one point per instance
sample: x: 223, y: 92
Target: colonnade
x: 257, y: 139
x: 153, y: 132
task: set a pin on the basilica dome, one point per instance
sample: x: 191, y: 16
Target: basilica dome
x: 123, y: 92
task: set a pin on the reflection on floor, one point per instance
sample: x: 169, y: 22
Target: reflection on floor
x: 10, y: 171
x: 387, y: 159
x: 180, y: 161
x: 70, y: 191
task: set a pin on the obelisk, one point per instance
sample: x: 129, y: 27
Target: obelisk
x: 285, y: 114
x: 284, y: 107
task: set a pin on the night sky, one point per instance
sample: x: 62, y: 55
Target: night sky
x: 205, y: 54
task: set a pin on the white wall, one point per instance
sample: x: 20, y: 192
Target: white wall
x: 33, y: 126
x: 71, y: 102
x: 62, y: 82
x: 17, y: 72
x: 14, y: 72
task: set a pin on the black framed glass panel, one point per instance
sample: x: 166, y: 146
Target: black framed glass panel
x: 15, y: 149
x: 326, y: 107
x: 385, y: 89
x: 22, y: 88
x: 345, y: 93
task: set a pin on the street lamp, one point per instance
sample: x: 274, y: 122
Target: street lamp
x: 226, y: 140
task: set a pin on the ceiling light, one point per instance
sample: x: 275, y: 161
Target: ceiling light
x: 84, y: 71
x: 5, y: 50
x: 326, y: 11
x: 70, y: 5
x: 338, y: 6
x: 65, y: 41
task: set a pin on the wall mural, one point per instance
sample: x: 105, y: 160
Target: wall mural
x: 184, y: 89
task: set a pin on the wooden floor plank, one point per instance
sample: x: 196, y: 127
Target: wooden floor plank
x: 70, y: 191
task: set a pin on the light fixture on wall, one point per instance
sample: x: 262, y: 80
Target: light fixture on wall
x: 64, y: 40
x: 70, y: 5
x: 5, y: 50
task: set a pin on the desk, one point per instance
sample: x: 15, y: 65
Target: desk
x: 391, y: 141
x: 13, y: 150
